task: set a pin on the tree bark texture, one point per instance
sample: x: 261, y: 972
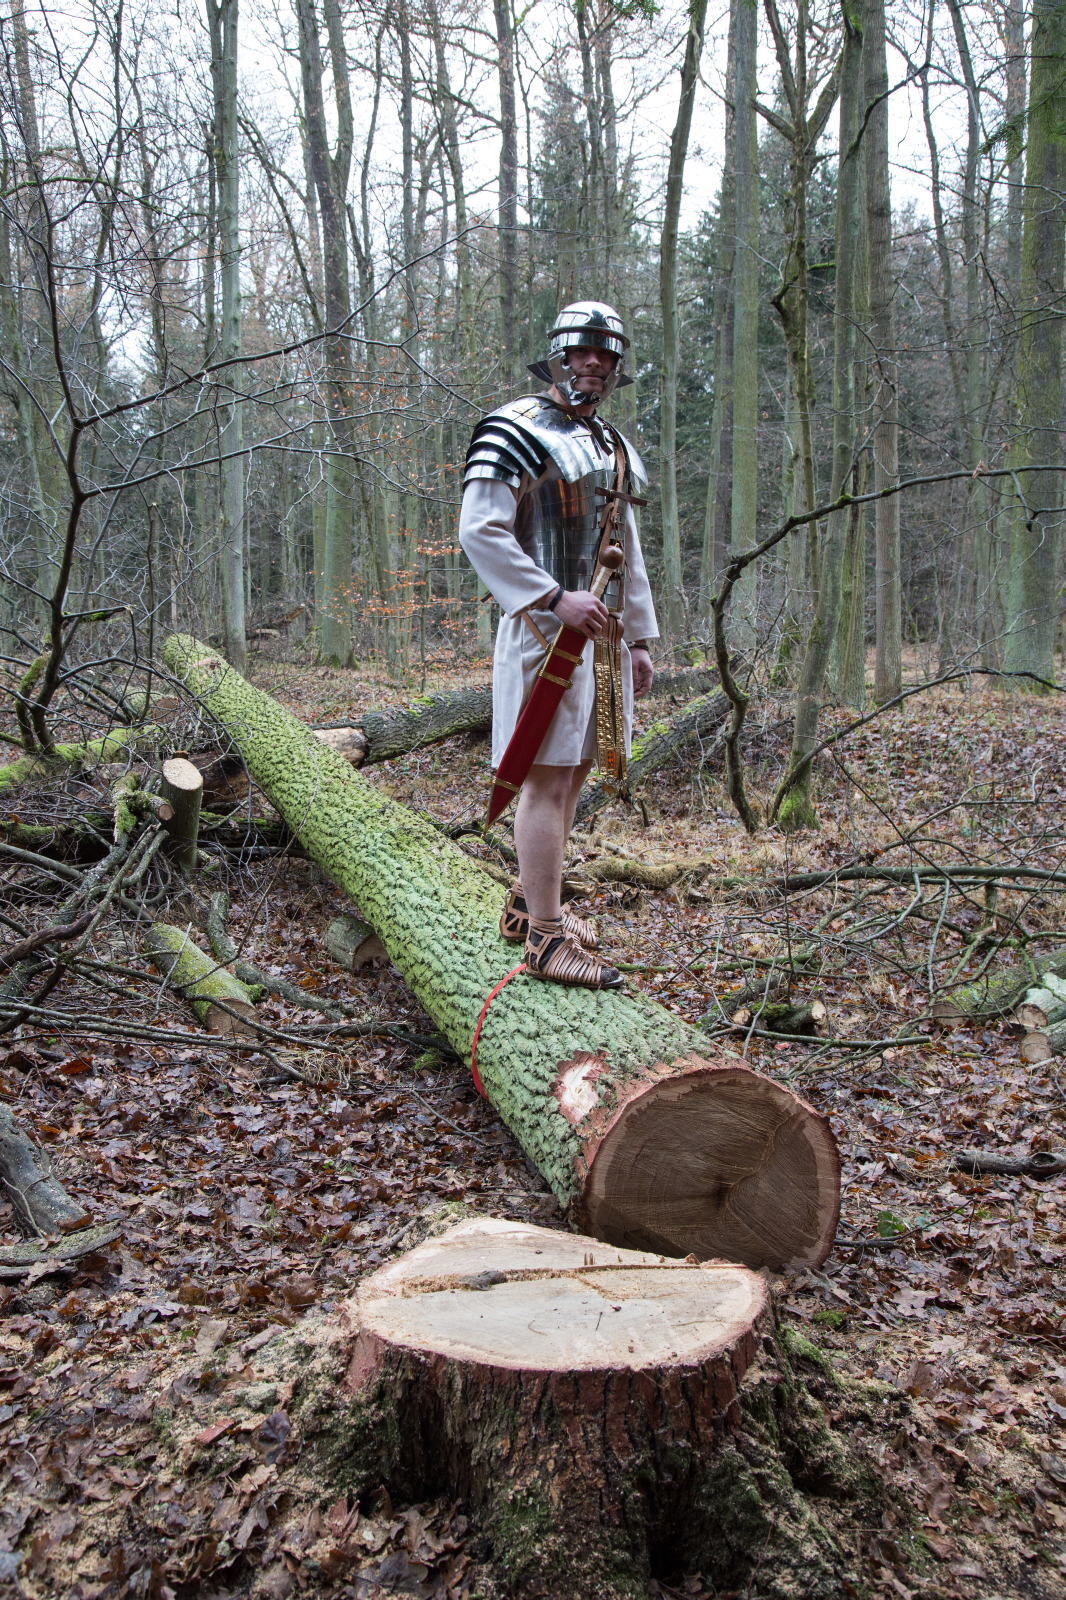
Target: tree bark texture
x: 797, y: 809
x: 199, y: 979
x: 676, y: 611
x: 222, y: 16
x: 183, y: 790
x: 606, y: 1416
x: 888, y: 668
x: 41, y: 1205
x: 578, y: 1075
x: 744, y: 509
x: 508, y: 203
x: 1032, y: 607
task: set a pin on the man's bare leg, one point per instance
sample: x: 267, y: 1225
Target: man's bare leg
x: 542, y: 824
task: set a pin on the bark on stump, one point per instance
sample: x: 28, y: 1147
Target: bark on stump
x: 618, y: 1103
x: 592, y: 1407
x: 183, y: 790
x: 200, y: 980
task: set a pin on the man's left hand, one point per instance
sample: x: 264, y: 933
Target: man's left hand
x: 643, y: 672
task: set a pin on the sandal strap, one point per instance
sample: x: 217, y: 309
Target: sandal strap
x: 552, y: 953
x: 515, y: 920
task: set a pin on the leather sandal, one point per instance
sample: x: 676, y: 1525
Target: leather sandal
x: 553, y: 955
x: 514, y: 923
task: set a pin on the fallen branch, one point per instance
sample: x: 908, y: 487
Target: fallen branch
x: 226, y: 952
x: 219, y: 999
x: 12, y: 954
x: 19, y: 1260
x: 41, y: 1204
x: 1041, y: 1164
x: 65, y: 758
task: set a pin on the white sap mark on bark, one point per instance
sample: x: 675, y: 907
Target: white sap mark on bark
x: 575, y: 1088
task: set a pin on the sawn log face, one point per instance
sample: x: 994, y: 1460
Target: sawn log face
x: 436, y: 913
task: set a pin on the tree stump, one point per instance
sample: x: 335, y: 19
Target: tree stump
x: 183, y: 789
x: 588, y: 1405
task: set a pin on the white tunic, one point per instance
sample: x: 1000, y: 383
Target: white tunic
x: 486, y: 533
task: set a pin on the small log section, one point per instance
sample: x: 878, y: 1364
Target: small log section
x: 42, y: 1206
x: 353, y: 944
x: 183, y: 790
x: 200, y: 980
x: 657, y: 1141
x: 561, y: 1388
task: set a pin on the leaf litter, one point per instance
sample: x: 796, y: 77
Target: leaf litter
x: 147, y: 1449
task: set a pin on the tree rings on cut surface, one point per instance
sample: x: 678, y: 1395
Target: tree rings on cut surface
x: 533, y: 1300
x: 716, y: 1161
x: 576, y: 1397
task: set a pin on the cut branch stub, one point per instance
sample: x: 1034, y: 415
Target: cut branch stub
x: 576, y: 1074
x: 353, y: 944
x: 183, y: 789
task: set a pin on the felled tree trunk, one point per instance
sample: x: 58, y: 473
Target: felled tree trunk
x: 199, y: 979
x: 656, y: 1144
x: 601, y: 1413
x: 41, y: 1204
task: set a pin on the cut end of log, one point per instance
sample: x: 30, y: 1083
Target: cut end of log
x: 353, y: 944
x: 351, y: 743
x: 220, y: 1022
x: 718, y: 1162
x: 517, y: 1298
x: 180, y: 774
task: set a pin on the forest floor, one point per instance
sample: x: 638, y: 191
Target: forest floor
x: 250, y: 1201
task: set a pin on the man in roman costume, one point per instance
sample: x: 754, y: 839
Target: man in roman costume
x: 544, y: 479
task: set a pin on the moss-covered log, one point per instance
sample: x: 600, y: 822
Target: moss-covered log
x: 115, y: 746
x: 614, y: 1098
x: 199, y: 979
x: 701, y: 720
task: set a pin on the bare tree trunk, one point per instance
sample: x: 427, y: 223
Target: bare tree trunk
x: 676, y: 610
x: 508, y: 203
x: 222, y: 16
x: 744, y: 507
x: 331, y: 182
x: 797, y: 809
x: 1030, y: 644
x: 719, y: 480
x: 888, y: 668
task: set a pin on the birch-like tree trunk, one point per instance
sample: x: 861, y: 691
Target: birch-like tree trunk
x: 798, y: 809
x: 222, y: 17
x: 676, y: 610
x: 1032, y: 600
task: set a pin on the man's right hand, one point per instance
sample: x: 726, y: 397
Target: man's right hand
x: 580, y: 610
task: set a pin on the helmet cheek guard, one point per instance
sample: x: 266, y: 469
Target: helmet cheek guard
x: 588, y: 323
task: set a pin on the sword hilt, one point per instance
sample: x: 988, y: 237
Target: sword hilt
x: 610, y: 562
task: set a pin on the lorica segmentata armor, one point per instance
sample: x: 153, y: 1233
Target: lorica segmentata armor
x: 558, y: 520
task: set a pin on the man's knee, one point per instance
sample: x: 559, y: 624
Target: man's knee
x: 554, y: 784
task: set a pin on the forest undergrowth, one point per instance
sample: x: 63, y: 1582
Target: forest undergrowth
x: 252, y: 1187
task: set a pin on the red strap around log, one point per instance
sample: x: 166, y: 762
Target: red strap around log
x: 521, y: 967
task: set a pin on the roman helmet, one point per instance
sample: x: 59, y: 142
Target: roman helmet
x: 586, y: 322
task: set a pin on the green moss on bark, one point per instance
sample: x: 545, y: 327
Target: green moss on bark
x: 437, y: 914
x: 198, y: 978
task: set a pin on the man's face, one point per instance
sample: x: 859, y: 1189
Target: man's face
x: 591, y: 366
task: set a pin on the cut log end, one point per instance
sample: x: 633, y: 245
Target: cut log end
x: 520, y: 1298
x: 353, y: 944
x: 716, y: 1162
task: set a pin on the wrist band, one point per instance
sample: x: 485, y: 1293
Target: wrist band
x: 556, y: 597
